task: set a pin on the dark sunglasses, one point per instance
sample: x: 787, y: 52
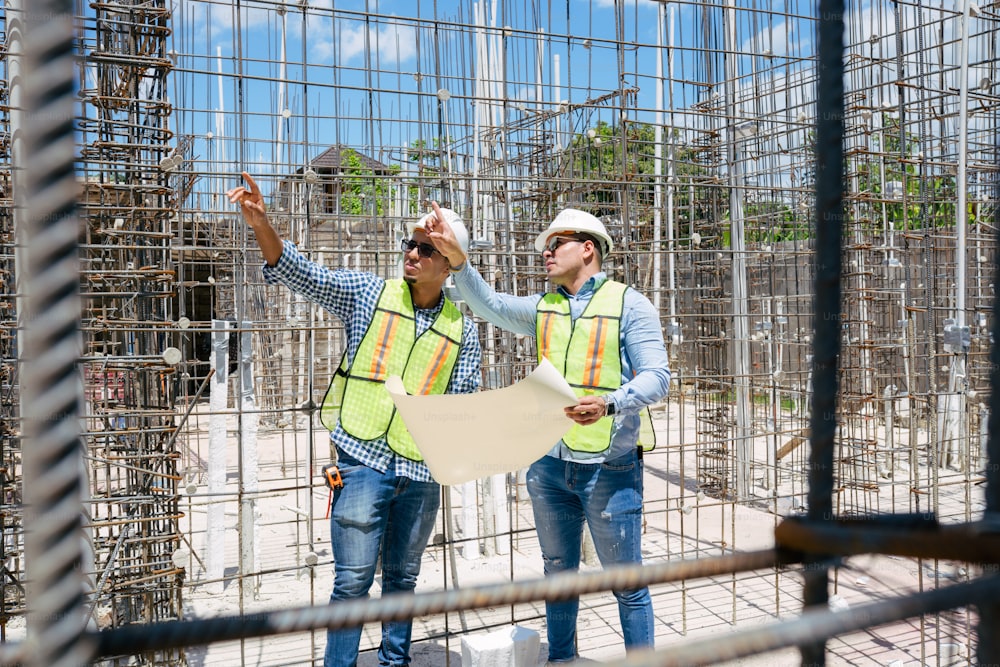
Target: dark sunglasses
x: 423, y: 249
x: 556, y: 241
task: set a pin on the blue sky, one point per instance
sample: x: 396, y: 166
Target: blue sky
x: 405, y: 51
x: 408, y: 52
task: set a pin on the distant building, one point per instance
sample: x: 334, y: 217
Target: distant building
x: 339, y: 182
x: 343, y: 210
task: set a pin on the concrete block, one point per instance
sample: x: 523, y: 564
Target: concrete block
x: 508, y: 647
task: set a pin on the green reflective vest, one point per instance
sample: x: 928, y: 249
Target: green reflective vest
x: 588, y: 353
x: 357, y: 395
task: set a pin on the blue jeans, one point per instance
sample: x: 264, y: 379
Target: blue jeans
x: 609, y: 497
x: 377, y: 514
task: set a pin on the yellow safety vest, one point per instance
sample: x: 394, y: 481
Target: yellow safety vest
x: 357, y: 395
x: 588, y: 352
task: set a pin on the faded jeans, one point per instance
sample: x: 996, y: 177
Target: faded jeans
x: 609, y: 497
x: 376, y: 514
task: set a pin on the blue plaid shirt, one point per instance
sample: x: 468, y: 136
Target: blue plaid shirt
x: 352, y: 297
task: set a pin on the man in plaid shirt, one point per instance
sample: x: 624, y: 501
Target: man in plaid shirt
x: 387, y: 504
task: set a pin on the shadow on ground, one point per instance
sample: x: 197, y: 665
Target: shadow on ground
x: 423, y: 654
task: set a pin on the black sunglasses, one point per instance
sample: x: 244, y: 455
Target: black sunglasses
x: 556, y: 241
x: 423, y: 249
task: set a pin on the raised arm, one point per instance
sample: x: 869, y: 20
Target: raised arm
x: 255, y: 214
x: 515, y: 313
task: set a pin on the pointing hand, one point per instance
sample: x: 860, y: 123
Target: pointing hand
x: 443, y: 238
x: 250, y: 200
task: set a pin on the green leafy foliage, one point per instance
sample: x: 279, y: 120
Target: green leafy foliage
x: 893, y: 179
x: 430, y: 168
x: 612, y: 163
x: 361, y: 189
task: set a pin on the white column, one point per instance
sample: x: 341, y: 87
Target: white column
x: 470, y: 519
x: 496, y: 515
x: 249, y: 418
x: 215, y: 546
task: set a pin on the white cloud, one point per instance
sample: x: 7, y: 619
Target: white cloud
x: 321, y: 50
x: 395, y: 43
x: 780, y: 39
x: 216, y: 21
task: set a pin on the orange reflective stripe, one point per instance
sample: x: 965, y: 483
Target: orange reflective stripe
x: 596, y: 344
x: 437, y: 364
x: 545, y: 338
x: 383, y: 345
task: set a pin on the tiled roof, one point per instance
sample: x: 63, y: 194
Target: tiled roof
x: 332, y: 159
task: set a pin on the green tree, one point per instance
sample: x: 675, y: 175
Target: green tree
x: 430, y: 173
x: 900, y: 201
x: 774, y: 221
x: 362, y: 191
x: 609, y: 164
x: 612, y: 163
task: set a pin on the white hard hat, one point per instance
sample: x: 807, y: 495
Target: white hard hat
x: 454, y: 221
x: 575, y: 220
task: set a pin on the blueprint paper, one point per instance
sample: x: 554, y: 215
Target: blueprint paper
x: 467, y: 436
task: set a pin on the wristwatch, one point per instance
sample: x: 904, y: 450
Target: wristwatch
x: 609, y: 407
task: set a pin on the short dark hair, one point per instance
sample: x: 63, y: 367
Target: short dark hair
x: 598, y: 243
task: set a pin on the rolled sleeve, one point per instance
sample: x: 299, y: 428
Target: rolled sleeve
x: 336, y: 290
x: 647, y: 363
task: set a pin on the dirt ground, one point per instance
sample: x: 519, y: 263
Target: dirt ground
x: 680, y: 524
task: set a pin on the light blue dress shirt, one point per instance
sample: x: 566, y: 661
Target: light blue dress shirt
x: 645, y: 366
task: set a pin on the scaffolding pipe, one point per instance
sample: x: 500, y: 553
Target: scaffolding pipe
x: 736, y: 154
x: 956, y: 449
x: 658, y: 165
x: 673, y: 333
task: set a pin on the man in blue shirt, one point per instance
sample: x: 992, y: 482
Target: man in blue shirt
x: 388, y: 502
x: 607, y: 341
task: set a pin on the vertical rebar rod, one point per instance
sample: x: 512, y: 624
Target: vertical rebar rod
x: 53, y: 461
x: 826, y: 346
x: 989, y: 614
